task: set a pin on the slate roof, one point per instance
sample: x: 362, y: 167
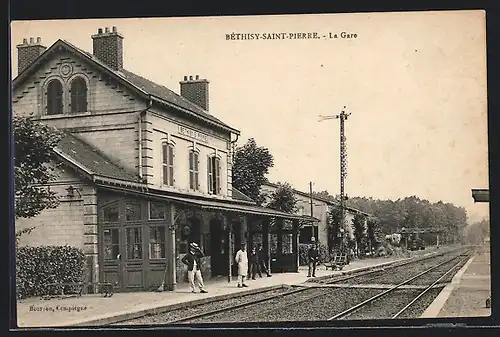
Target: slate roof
x: 145, y: 86
x: 238, y: 195
x: 92, y: 159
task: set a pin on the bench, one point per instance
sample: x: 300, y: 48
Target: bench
x: 107, y: 288
x: 337, y: 262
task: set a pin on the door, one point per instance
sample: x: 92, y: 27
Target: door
x: 218, y: 248
x: 112, y: 251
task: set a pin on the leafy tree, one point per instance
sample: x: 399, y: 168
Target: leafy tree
x: 283, y: 198
x: 334, y: 218
x: 251, y: 164
x: 359, y: 230
x: 324, y: 194
x: 33, y: 150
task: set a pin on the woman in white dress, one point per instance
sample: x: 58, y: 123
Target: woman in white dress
x: 242, y: 260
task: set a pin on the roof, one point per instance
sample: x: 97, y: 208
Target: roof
x: 237, y: 194
x: 141, y: 85
x: 481, y: 194
x: 325, y: 200
x: 90, y: 159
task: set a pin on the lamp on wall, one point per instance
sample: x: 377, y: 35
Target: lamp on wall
x: 71, y: 191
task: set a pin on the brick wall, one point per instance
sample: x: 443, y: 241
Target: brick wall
x: 27, y: 53
x: 108, y: 48
x: 196, y: 91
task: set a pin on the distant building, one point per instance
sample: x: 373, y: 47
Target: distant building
x: 320, y: 211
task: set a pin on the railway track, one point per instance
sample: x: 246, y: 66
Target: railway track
x: 356, y: 311
x: 302, y: 303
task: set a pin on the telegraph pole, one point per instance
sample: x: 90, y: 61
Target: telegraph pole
x: 312, y: 213
x: 343, y: 161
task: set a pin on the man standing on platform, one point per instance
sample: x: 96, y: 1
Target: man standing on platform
x: 313, y: 257
x: 241, y: 260
x: 262, y: 258
x: 193, y: 261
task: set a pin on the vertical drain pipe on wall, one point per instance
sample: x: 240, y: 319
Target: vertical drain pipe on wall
x: 143, y: 112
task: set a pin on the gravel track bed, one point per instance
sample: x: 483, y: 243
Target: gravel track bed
x: 320, y: 308
x: 246, y: 313
x: 386, y: 306
x: 396, y: 275
x: 432, y: 276
x: 418, y: 308
x: 176, y: 314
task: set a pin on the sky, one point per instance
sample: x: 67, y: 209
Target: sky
x: 414, y: 83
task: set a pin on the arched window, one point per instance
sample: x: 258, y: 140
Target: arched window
x: 54, y: 98
x: 78, y: 95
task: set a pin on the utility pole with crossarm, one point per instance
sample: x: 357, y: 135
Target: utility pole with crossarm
x: 343, y: 164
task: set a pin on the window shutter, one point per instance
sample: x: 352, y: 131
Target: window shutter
x: 209, y: 171
x: 171, y: 165
x: 217, y: 163
x: 196, y: 173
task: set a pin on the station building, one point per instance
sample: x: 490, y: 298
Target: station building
x: 142, y: 170
x: 320, y: 208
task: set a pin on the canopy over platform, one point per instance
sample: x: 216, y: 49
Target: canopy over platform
x: 481, y: 195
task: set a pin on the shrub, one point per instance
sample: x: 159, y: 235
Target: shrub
x: 324, y: 256
x: 36, y: 267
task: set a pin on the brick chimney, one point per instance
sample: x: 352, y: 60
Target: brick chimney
x: 195, y: 90
x: 27, y: 52
x: 108, y: 47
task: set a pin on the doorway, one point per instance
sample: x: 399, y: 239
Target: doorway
x: 218, y: 248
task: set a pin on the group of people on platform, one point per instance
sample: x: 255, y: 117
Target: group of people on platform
x: 247, y: 265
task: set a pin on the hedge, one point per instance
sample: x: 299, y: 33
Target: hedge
x: 324, y: 256
x: 36, y: 267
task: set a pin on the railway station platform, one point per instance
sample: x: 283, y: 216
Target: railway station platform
x: 99, y: 310
x: 466, y: 295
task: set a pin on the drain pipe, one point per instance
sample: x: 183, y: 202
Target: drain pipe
x: 143, y: 112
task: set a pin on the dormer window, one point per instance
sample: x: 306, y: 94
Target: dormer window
x: 54, y: 98
x: 78, y: 92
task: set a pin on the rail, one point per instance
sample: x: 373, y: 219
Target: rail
x: 358, y: 306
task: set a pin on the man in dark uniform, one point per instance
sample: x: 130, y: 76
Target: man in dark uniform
x: 313, y: 257
x: 193, y: 261
x: 262, y: 258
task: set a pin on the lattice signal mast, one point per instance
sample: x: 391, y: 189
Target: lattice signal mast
x: 343, y: 160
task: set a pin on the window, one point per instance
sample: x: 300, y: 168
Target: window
x: 157, y: 211
x: 157, y: 242
x: 193, y: 170
x: 214, y: 175
x: 134, y: 243
x: 133, y: 211
x: 111, y: 244
x: 168, y: 164
x: 78, y: 95
x: 287, y: 243
x: 54, y: 98
x: 110, y: 213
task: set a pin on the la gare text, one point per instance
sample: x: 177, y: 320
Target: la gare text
x: 290, y: 36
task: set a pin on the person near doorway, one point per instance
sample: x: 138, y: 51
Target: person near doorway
x: 262, y: 258
x: 313, y: 257
x: 241, y: 260
x: 193, y: 261
x: 254, y: 263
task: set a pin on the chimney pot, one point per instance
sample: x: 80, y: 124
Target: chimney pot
x: 197, y: 77
x: 38, y: 40
x: 114, y: 29
x: 107, y: 30
x: 32, y: 40
x: 190, y: 78
x: 185, y: 78
x: 108, y: 48
x: 25, y: 41
x: 99, y: 31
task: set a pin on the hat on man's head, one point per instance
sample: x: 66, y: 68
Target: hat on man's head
x: 313, y: 239
x: 194, y: 245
